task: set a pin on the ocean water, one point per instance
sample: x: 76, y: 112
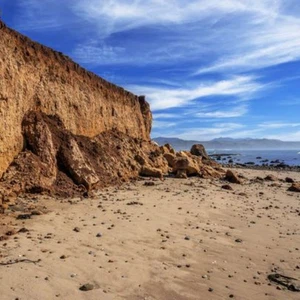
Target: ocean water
x: 288, y: 157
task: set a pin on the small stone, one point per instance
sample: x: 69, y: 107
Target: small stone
x: 238, y: 240
x: 210, y: 289
x: 86, y: 287
x: 99, y: 234
x: 76, y: 229
x: 187, y: 238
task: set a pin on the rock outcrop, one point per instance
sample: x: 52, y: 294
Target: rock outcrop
x: 64, y: 131
x: 36, y: 78
x: 199, y: 150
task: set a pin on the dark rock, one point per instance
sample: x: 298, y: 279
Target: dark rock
x: 290, y: 283
x: 87, y: 287
x: 199, y: 150
x: 232, y: 177
x: 295, y: 187
x: 227, y: 187
x: 289, y: 180
x: 24, y: 217
x: 271, y: 178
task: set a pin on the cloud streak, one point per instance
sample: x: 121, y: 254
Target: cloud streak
x: 165, y: 98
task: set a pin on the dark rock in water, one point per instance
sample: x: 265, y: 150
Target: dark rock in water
x: 230, y: 161
x: 218, y: 158
x: 289, y: 180
x: 199, y: 150
x: 258, y: 157
x: 250, y: 163
x: 264, y: 161
x: 277, y: 161
x: 295, y: 187
x: 87, y: 287
x: 282, y: 165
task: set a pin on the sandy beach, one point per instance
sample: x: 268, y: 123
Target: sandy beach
x: 172, y: 239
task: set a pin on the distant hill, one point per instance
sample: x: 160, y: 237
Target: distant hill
x: 230, y: 144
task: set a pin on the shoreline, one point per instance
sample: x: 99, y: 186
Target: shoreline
x: 262, y: 167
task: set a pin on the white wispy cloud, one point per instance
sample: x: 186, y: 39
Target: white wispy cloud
x: 164, y: 98
x: 236, y: 111
x: 207, y: 133
x: 163, y: 124
x: 231, y: 35
x: 277, y: 125
x: 95, y: 53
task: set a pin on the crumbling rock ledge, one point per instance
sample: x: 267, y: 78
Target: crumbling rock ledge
x: 55, y: 161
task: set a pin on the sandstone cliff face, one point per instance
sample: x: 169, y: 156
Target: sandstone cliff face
x: 64, y: 131
x: 36, y: 78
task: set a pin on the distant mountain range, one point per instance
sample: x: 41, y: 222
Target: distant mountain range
x: 225, y: 143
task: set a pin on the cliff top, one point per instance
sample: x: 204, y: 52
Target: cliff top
x: 49, y: 53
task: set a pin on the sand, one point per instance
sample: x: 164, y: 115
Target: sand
x: 177, y: 239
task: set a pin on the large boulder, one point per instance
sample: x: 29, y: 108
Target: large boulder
x: 295, y: 187
x: 232, y: 177
x: 199, y: 150
x: 149, y: 171
x: 170, y: 159
x: 78, y: 167
x: 271, y: 177
x: 38, y: 138
x: 189, y: 164
x: 210, y: 172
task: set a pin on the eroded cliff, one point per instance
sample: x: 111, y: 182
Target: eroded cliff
x: 36, y: 78
x: 64, y: 131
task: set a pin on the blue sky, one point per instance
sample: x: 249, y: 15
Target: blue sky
x: 214, y: 68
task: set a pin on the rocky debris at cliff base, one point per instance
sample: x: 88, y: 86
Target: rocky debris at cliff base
x: 56, y: 162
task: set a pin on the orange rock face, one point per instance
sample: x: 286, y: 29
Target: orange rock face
x: 36, y: 78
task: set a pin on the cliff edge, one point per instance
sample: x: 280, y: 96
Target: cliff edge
x: 36, y: 78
